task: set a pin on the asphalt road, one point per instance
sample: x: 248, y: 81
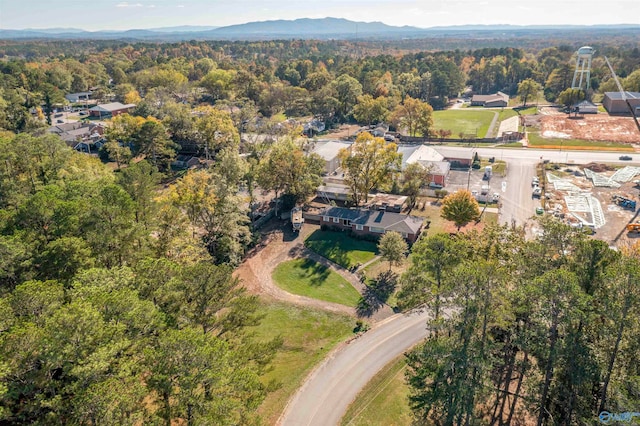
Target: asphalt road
x: 517, y: 204
x: 333, y: 385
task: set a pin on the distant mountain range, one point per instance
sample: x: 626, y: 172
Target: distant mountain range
x: 300, y: 28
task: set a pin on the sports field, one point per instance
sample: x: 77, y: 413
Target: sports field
x: 468, y: 121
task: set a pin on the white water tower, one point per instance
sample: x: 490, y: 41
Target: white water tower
x: 582, y: 75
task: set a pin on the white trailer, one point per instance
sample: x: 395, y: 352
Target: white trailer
x: 296, y: 219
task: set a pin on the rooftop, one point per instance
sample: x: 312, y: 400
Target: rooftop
x: 390, y: 221
x: 112, y: 106
x: 618, y: 95
x: 329, y: 149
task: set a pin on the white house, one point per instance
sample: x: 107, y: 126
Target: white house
x: 329, y: 151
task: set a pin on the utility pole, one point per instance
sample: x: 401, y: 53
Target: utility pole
x: 469, y: 174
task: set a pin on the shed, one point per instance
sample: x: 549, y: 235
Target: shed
x: 585, y: 107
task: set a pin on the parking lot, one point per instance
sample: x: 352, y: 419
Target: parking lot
x: 473, y: 181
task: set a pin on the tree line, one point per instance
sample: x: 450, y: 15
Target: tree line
x: 540, y: 331
x: 317, y: 78
x: 117, y: 299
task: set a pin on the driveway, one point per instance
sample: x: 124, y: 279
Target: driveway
x: 326, y: 394
x: 282, y: 244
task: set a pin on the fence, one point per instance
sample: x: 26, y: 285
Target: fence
x: 421, y: 140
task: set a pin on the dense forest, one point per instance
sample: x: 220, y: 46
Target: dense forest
x: 298, y: 78
x: 117, y: 299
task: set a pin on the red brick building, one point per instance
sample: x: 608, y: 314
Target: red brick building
x: 110, y: 110
x: 372, y: 222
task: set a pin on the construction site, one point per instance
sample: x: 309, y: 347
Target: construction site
x: 596, y: 127
x: 600, y: 198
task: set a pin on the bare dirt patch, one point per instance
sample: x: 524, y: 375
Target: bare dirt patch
x: 345, y: 131
x: 600, y: 127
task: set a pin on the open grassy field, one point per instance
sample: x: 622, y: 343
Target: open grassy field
x: 341, y: 248
x: 466, y: 120
x: 536, y: 140
x: 309, y: 278
x: 308, y: 334
x: 383, y: 401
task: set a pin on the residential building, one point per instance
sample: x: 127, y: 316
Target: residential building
x: 334, y: 192
x: 329, y: 151
x: 314, y: 127
x: 185, y: 162
x: 85, y: 137
x: 374, y: 223
x: 77, y: 97
x: 429, y: 158
x: 495, y: 100
x: 110, y: 110
x: 614, y: 104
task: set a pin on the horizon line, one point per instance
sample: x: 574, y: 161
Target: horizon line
x: 156, y: 28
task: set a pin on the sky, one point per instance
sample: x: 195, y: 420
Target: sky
x: 136, y: 14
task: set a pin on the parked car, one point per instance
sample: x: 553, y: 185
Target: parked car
x: 83, y: 113
x: 434, y: 185
x: 537, y: 192
x: 625, y: 158
x: 535, y: 182
x: 59, y: 121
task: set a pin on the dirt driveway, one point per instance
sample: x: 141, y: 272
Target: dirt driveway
x: 280, y: 244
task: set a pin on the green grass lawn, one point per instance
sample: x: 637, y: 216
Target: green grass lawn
x: 431, y: 213
x: 309, y: 278
x: 375, y: 268
x: 309, y: 334
x: 509, y: 112
x: 383, y: 401
x: 466, y: 121
x: 535, y: 139
x: 341, y: 248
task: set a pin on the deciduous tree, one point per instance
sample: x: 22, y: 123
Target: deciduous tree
x: 413, y: 115
x: 369, y: 163
x: 392, y: 248
x: 528, y: 88
x: 460, y: 208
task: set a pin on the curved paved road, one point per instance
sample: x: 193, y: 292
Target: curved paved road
x: 333, y: 385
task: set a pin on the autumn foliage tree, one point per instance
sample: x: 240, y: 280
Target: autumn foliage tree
x: 413, y: 115
x: 460, y: 208
x: 369, y: 163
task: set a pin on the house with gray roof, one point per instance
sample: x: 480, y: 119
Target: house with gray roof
x: 85, y: 137
x: 374, y: 223
x: 110, y: 110
x: 494, y: 100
